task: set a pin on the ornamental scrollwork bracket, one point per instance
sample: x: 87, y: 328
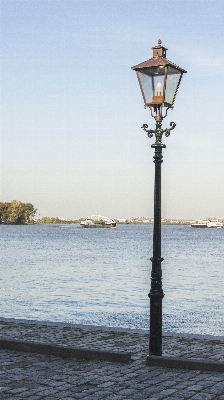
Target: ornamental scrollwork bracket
x: 149, y: 131
x: 158, y: 132
x: 167, y: 131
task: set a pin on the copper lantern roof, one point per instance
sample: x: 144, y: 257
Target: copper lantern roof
x: 158, y: 59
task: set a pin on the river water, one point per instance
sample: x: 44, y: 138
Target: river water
x: 102, y: 276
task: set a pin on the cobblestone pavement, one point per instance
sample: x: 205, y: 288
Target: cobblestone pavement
x: 34, y: 376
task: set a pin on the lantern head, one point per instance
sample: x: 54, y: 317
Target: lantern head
x: 159, y: 80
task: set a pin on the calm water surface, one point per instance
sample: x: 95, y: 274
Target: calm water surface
x: 102, y: 276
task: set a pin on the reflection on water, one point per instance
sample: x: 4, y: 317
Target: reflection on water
x: 102, y: 276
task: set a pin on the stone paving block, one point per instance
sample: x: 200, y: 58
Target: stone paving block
x: 167, y: 392
x: 176, y: 397
x: 67, y: 398
x: 149, y: 391
x: 127, y: 392
x: 80, y: 396
x: 17, y: 390
x: 106, y: 384
x: 154, y: 398
x: 187, y: 393
x: 200, y: 396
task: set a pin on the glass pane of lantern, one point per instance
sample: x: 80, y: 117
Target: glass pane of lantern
x: 158, y: 80
x: 152, y: 82
x: 146, y: 85
x: 158, y: 83
x: 173, y: 77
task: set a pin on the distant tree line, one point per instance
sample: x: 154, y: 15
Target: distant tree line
x: 49, y: 220
x: 16, y: 213
x: 56, y: 220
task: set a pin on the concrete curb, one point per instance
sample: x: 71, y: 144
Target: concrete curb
x: 185, y: 363
x: 66, y: 352
x: 109, y: 356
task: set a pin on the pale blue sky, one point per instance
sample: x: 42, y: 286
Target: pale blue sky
x: 72, y: 111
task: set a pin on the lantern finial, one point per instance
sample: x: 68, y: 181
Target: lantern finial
x: 159, y: 51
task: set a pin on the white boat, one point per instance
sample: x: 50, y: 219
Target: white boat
x: 110, y: 223
x: 214, y: 223
x: 86, y: 223
x: 98, y: 223
x: 199, y: 224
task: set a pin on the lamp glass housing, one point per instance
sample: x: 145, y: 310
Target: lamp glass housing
x: 159, y: 84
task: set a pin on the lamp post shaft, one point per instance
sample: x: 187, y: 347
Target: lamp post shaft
x: 156, y: 292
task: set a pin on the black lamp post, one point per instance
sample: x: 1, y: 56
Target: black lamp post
x: 159, y: 80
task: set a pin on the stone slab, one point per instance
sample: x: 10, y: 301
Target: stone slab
x: 64, y: 351
x: 185, y: 363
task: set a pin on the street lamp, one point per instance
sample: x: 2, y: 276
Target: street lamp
x: 159, y: 80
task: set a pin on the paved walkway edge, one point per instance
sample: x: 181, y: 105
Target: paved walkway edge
x: 184, y: 363
x: 64, y: 351
x: 108, y: 328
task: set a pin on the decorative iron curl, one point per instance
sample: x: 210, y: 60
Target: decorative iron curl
x: 149, y: 132
x: 167, y: 131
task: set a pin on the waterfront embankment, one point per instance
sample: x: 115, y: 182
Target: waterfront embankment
x: 30, y: 375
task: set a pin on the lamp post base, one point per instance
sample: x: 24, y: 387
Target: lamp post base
x: 155, y: 336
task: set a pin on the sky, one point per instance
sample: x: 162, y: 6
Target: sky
x: 71, y: 141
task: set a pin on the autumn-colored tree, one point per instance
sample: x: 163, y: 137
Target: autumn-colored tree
x: 4, y: 212
x: 30, y: 211
x: 16, y: 212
